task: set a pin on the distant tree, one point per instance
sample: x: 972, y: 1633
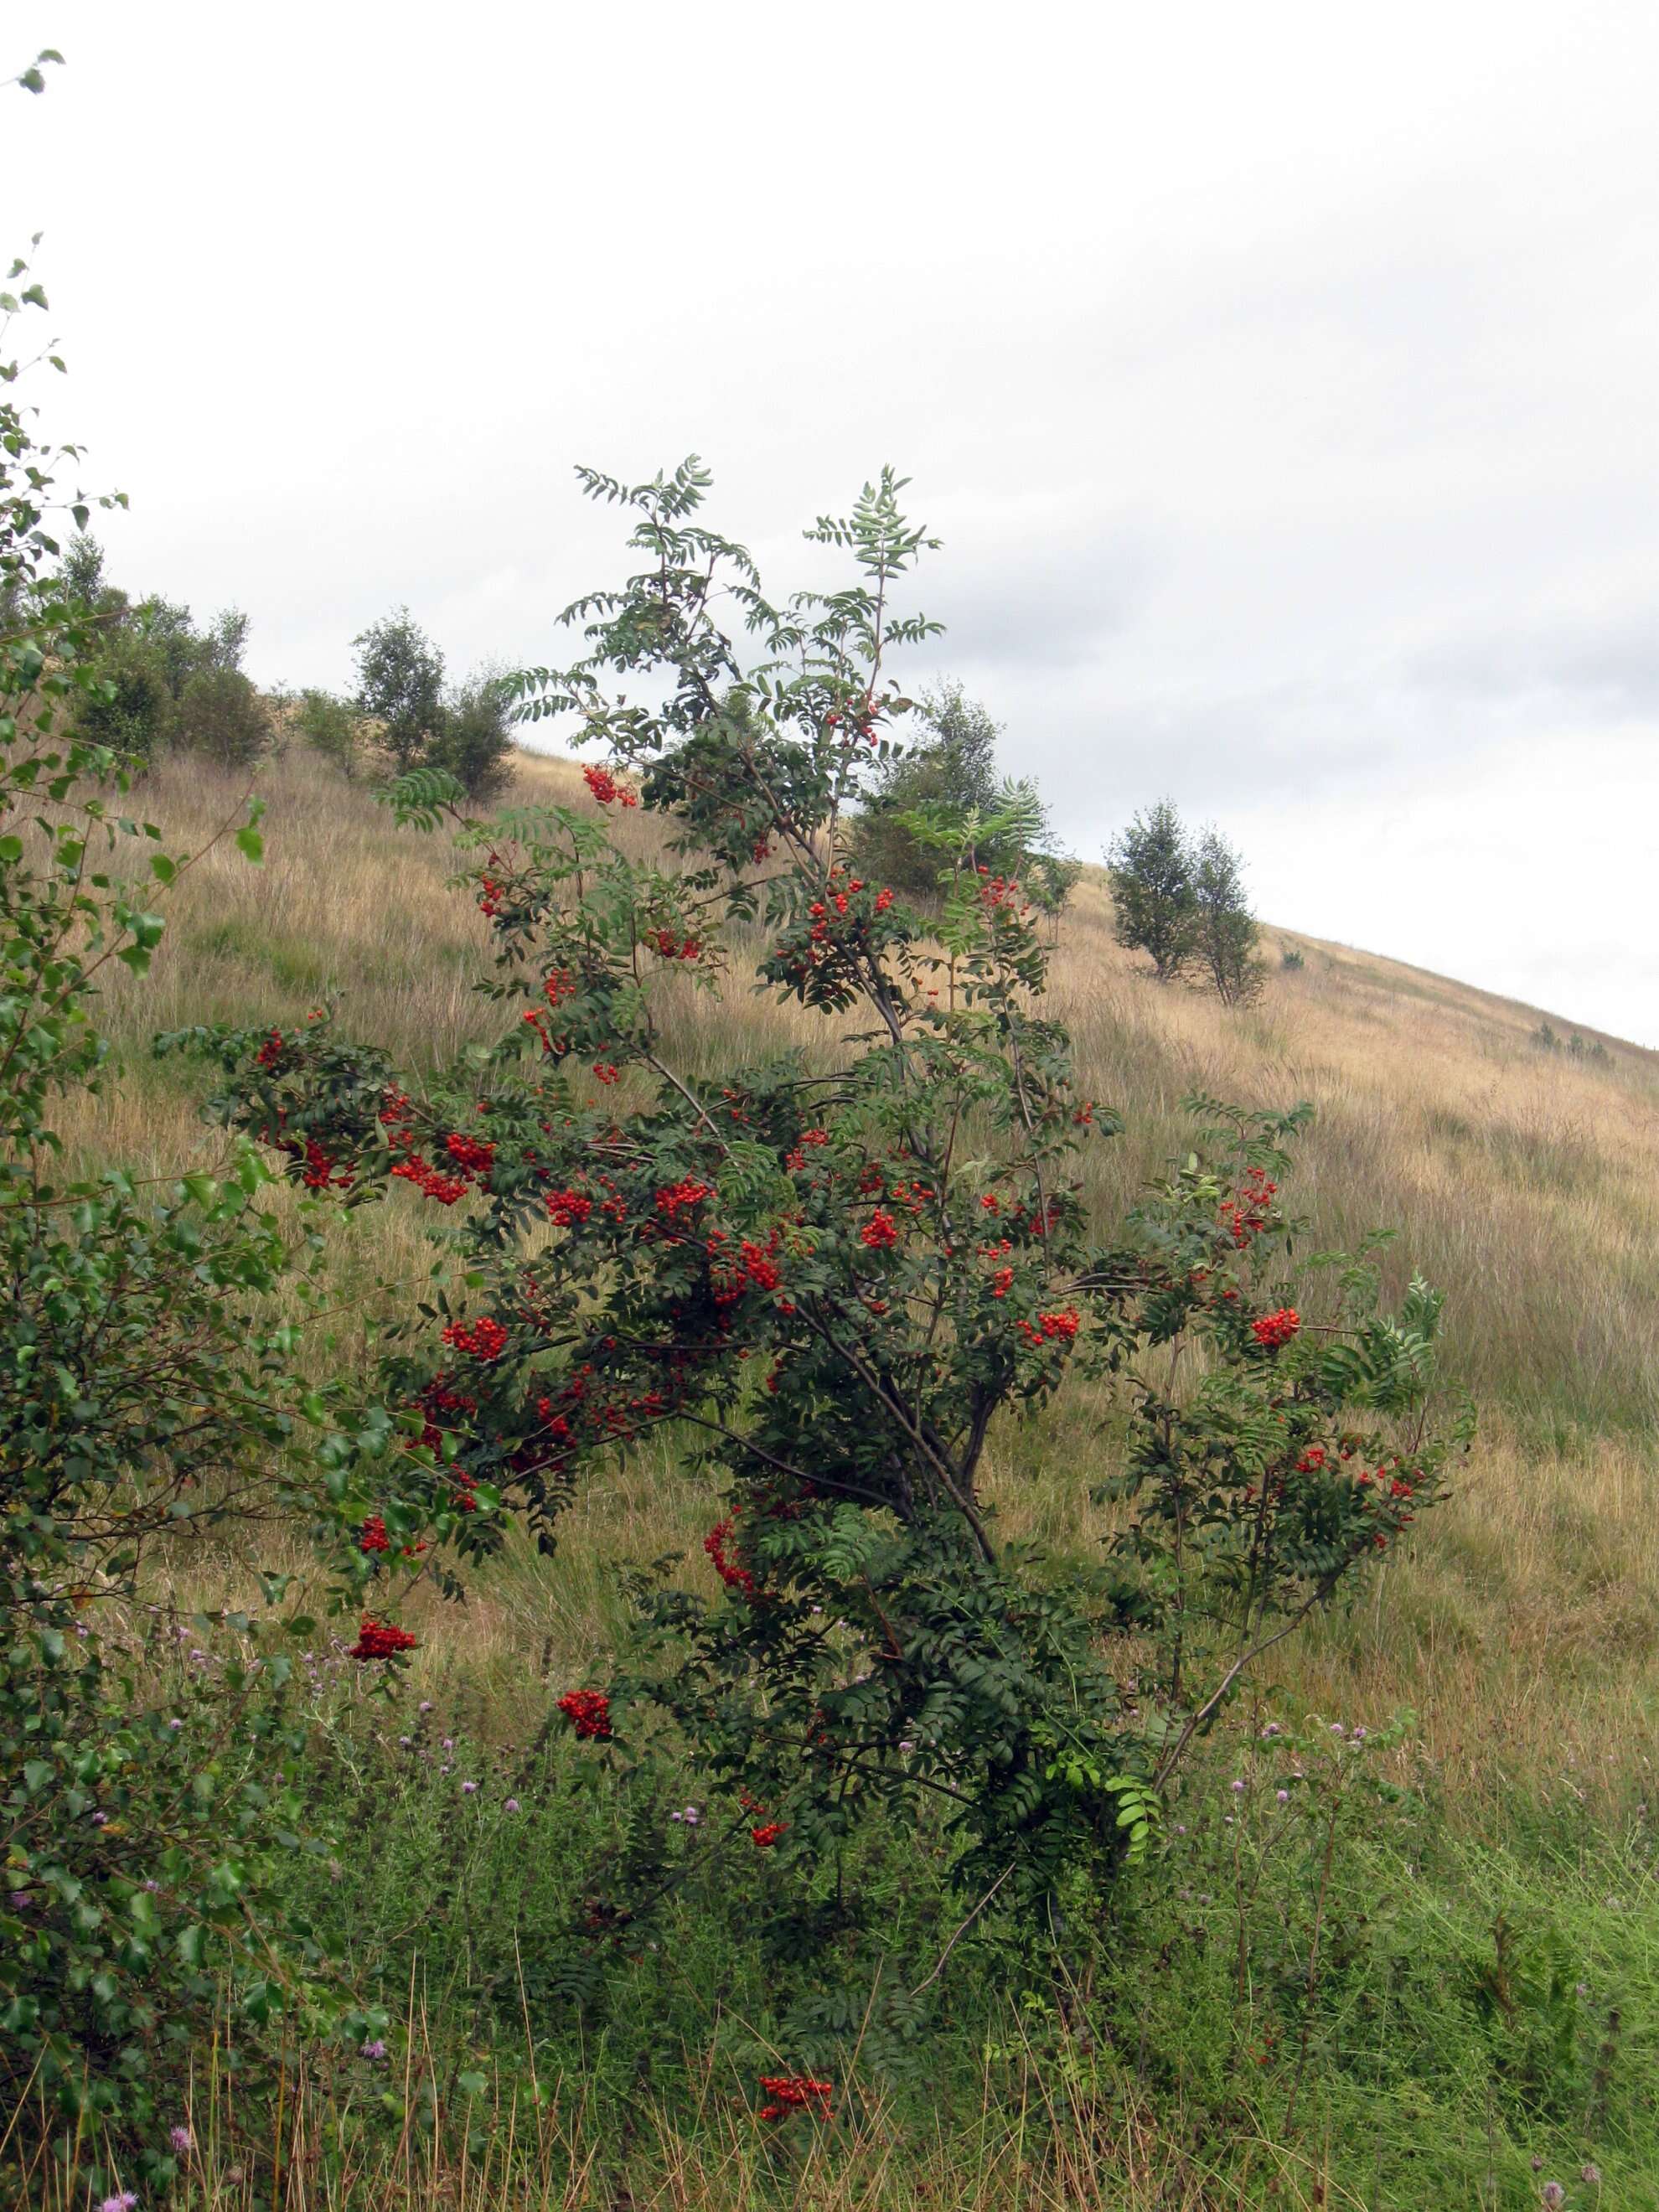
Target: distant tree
x: 186, y: 651
x: 1154, y: 889
x: 1049, y: 879
x: 170, y: 629
x: 225, y: 640
x: 1225, y: 935
x: 132, y: 709
x: 474, y: 743
x: 221, y: 717
x: 950, y: 772
x: 84, y: 583
x: 400, y: 682
x: 333, y: 727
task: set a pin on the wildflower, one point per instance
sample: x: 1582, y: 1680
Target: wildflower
x: 181, y: 2139
x: 175, y: 1724
x: 375, y: 2050
x: 425, y: 1705
x: 511, y: 1806
x: 1552, y: 2194
x: 1238, y: 1788
x: 123, y: 2202
x: 469, y: 1789
x: 1591, y: 2173
x: 1283, y: 1796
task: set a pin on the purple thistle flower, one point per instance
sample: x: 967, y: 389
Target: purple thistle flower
x: 511, y: 1806
x: 181, y: 2139
x: 375, y: 2050
x: 467, y: 1789
x: 1591, y: 2173
x: 1552, y: 2194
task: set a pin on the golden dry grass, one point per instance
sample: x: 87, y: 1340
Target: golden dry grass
x: 1524, y: 1627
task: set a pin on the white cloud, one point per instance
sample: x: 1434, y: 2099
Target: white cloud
x: 1281, y: 380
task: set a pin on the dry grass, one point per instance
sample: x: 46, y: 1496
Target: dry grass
x: 1524, y: 1625
x: 1091, y: 2150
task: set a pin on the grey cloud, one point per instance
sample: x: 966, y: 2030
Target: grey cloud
x: 1599, y: 666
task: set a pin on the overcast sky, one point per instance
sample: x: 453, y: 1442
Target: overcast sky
x: 1282, y: 380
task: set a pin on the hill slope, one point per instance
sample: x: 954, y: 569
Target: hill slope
x: 1525, y: 1184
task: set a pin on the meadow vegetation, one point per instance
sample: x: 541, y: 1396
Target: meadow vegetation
x: 1074, y: 1769
x: 1495, y: 1956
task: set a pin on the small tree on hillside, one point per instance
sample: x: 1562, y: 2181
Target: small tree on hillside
x: 949, y: 775
x: 832, y: 1276
x: 1226, y: 929
x: 1154, y: 889
x: 333, y: 727
x: 84, y: 583
x: 400, y: 680
x: 221, y: 716
x: 474, y: 743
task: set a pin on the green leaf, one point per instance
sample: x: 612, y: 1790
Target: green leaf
x: 250, y: 844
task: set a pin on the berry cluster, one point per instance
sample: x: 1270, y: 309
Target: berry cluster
x: 684, y: 1197
x: 667, y: 946
x: 380, y: 1639
x: 1249, y: 1211
x: 568, y: 1209
x: 795, y: 2093
x: 1273, y: 1329
x: 588, y: 1713
x: 606, y: 787
x: 484, y: 1339
x: 1048, y: 1327
x: 730, y: 1571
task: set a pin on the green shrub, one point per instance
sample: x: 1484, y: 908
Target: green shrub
x: 333, y: 727
x: 221, y: 717
x: 130, y: 712
x: 474, y: 740
x: 153, y: 1393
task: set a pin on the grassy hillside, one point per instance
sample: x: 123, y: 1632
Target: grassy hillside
x: 1521, y: 1629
